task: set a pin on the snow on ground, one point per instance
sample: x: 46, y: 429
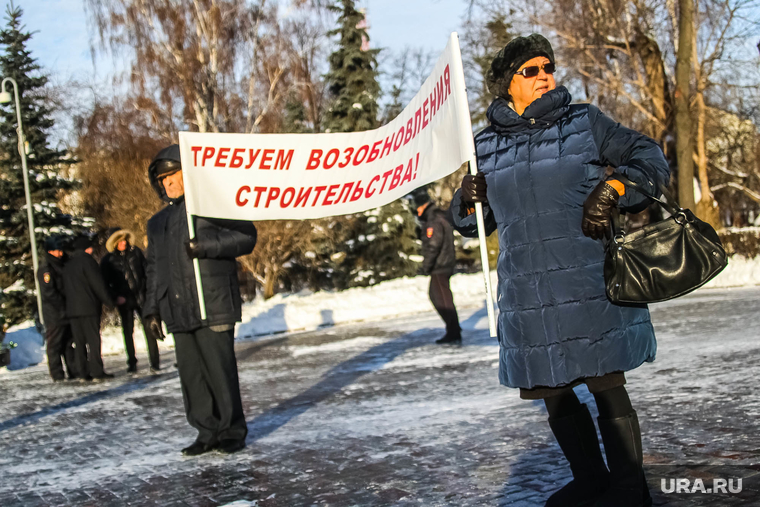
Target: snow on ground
x: 307, y: 311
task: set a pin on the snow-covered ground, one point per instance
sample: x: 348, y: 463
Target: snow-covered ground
x: 308, y: 311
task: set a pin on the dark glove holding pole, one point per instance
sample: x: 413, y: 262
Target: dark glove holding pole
x: 597, y: 211
x: 192, y: 248
x: 153, y: 322
x: 474, y: 188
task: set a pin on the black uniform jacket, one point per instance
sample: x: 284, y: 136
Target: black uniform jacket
x: 50, y: 276
x: 437, y: 235
x: 85, y: 290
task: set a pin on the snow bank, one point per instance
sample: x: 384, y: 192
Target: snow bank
x: 394, y: 298
x: 30, y: 349
x: 740, y: 272
x: 402, y: 297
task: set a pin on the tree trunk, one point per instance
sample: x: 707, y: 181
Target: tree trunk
x: 707, y: 208
x: 684, y: 150
x: 270, y: 281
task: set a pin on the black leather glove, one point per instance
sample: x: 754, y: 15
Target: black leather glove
x: 474, y: 188
x: 597, y: 211
x: 192, y: 248
x: 153, y: 322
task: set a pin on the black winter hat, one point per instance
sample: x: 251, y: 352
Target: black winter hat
x: 509, y: 60
x: 420, y: 196
x: 53, y: 243
x: 81, y: 243
x: 167, y: 161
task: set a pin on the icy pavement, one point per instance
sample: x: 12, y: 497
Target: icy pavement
x: 375, y: 414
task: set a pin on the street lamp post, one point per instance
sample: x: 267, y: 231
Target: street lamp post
x: 5, y: 97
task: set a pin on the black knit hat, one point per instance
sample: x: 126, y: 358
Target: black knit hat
x: 509, y: 60
x: 81, y: 243
x: 54, y: 242
x: 420, y: 196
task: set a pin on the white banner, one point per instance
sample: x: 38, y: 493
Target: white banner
x: 300, y: 176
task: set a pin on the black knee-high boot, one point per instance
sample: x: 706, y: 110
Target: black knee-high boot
x: 576, y: 436
x: 622, y: 445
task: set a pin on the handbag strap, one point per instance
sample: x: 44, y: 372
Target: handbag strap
x: 671, y: 206
x: 673, y: 209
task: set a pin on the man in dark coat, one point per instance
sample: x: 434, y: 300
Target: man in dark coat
x: 205, y: 349
x: 545, y: 187
x: 86, y: 293
x: 58, y: 338
x: 123, y: 270
x: 439, y: 260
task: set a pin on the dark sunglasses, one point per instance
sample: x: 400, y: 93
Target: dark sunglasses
x: 534, y: 70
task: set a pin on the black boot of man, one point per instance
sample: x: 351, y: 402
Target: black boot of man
x: 443, y: 301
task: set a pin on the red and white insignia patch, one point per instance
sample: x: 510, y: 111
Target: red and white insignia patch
x: 429, y: 232
x: 46, y: 277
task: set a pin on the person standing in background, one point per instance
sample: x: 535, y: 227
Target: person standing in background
x: 123, y: 270
x: 439, y: 261
x: 59, y: 342
x: 86, y: 293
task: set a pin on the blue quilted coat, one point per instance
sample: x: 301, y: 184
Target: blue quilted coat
x: 556, y: 324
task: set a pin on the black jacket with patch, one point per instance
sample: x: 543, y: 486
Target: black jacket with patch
x: 437, y: 235
x: 50, y: 276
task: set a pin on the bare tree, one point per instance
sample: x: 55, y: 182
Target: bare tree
x: 115, y: 143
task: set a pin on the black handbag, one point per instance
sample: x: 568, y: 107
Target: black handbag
x: 663, y: 260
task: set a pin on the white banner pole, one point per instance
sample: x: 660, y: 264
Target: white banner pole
x: 467, y: 143
x: 484, y: 257
x: 196, y: 262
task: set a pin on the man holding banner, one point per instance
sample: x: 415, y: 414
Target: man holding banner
x: 204, y: 343
x: 306, y: 176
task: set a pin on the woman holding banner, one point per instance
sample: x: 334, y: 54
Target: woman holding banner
x: 545, y: 188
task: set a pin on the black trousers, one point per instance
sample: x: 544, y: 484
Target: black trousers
x: 60, y: 344
x: 210, y: 387
x: 86, y: 332
x: 127, y: 314
x: 443, y: 301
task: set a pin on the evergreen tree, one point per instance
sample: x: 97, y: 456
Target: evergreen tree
x: 294, y: 119
x: 352, y: 80
x: 44, y: 163
x: 364, y: 248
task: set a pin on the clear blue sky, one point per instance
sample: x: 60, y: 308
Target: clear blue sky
x: 62, y: 44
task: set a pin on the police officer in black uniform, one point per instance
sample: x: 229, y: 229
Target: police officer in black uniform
x: 439, y: 260
x: 86, y: 293
x: 57, y: 330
